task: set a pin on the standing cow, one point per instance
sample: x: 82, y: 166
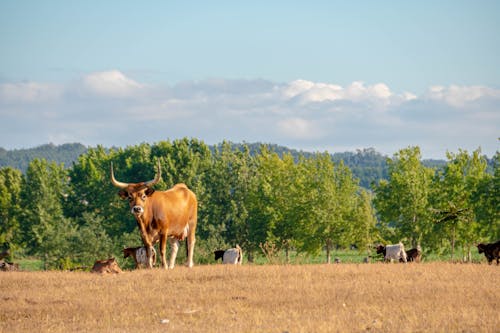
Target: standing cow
x: 162, y: 214
x: 392, y: 252
x: 233, y: 256
x: 140, y: 255
x: 491, y: 251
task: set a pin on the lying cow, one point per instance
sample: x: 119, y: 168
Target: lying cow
x: 491, y: 251
x: 8, y: 266
x: 392, y: 252
x: 140, y: 255
x: 106, y: 266
x: 232, y: 256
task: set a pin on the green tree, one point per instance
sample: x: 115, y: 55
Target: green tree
x: 486, y: 203
x: 403, y: 200
x: 456, y: 185
x: 45, y: 229
x: 364, y: 222
x: 90, y: 241
x: 10, y: 193
x: 226, y: 186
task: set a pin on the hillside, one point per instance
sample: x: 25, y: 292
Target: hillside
x: 20, y: 158
x: 367, y: 165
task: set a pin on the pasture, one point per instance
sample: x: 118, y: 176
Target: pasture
x: 427, y: 297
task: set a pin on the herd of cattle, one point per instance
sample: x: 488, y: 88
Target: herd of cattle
x: 172, y: 215
x: 234, y: 256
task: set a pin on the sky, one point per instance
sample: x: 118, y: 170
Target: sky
x: 310, y: 75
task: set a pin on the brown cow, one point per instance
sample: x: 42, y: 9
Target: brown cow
x: 106, y: 266
x: 162, y: 214
x: 140, y: 255
x: 491, y: 251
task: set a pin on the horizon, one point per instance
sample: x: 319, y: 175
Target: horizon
x: 391, y: 155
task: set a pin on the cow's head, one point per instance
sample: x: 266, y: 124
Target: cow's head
x: 380, y: 249
x: 136, y: 193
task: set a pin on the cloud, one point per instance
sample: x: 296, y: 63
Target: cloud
x: 378, y: 95
x: 298, y: 128
x: 112, y: 109
x: 460, y: 96
x: 111, y: 84
x: 29, y: 92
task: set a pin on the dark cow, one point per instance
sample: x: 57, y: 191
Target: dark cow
x: 106, y: 266
x: 219, y: 254
x: 491, y: 251
x: 162, y: 214
x: 8, y: 266
x: 413, y: 255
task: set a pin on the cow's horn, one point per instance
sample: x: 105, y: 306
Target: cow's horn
x: 114, y: 181
x: 157, y: 177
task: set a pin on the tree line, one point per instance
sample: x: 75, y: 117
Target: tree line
x: 366, y: 164
x: 265, y: 201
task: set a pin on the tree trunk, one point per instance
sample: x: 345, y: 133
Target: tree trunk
x: 453, y: 243
x: 328, y: 251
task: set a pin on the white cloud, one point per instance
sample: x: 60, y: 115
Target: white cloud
x: 29, y: 92
x: 298, y: 128
x: 111, y: 83
x: 307, y: 92
x: 110, y: 108
x: 459, y: 96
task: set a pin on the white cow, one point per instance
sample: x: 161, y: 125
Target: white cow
x: 393, y: 252
x: 232, y: 256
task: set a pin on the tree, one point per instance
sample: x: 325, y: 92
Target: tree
x: 364, y: 222
x: 90, y: 241
x: 226, y: 186
x: 45, y: 229
x: 456, y: 185
x: 403, y: 200
x: 486, y: 203
x: 10, y: 206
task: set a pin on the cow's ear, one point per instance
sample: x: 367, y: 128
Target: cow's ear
x: 149, y: 191
x: 123, y: 194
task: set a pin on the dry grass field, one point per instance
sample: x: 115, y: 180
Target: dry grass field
x: 430, y: 297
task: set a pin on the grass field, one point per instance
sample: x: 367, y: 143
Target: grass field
x: 428, y: 297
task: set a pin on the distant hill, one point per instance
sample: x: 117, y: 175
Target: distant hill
x: 367, y: 165
x: 21, y: 158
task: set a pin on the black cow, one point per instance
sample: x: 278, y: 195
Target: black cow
x: 491, y: 251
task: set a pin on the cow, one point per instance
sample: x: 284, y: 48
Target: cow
x: 413, y: 255
x: 392, y: 252
x: 491, y: 251
x: 8, y: 266
x: 162, y: 214
x: 140, y: 255
x: 232, y: 256
x: 106, y: 266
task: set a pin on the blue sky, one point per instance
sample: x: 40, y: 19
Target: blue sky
x: 315, y: 75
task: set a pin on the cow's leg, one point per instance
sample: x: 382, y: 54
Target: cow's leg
x: 403, y: 255
x: 163, y: 251
x: 191, y: 240
x: 174, y: 247
x: 149, y: 255
x: 147, y: 241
